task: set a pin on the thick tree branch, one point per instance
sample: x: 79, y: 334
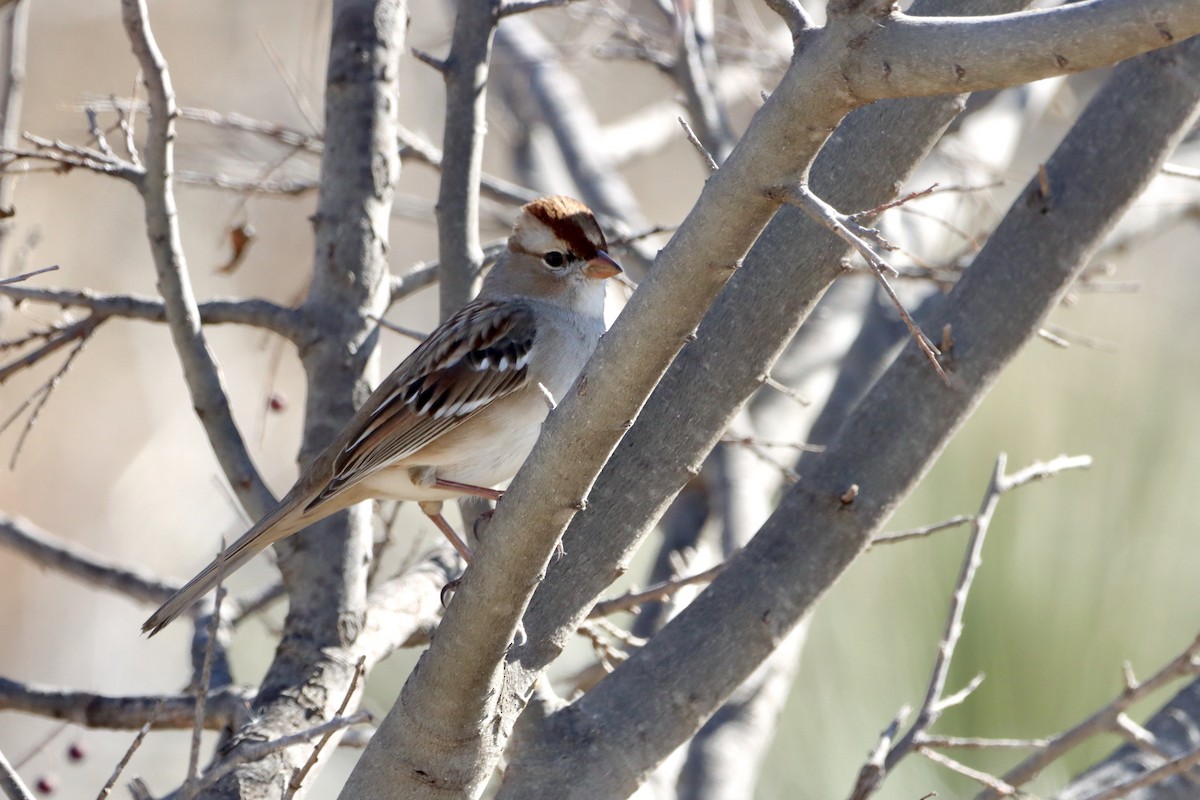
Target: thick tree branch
x: 12, y: 93
x: 874, y: 150
x: 162, y: 227
x: 912, y: 56
x: 819, y: 528
x: 464, y: 661
x: 466, y: 74
x: 325, y: 567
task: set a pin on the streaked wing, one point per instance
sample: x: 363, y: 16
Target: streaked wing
x: 476, y: 357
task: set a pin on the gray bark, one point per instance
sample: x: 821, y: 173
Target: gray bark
x: 1111, y: 154
x: 1176, y: 731
x: 324, y: 567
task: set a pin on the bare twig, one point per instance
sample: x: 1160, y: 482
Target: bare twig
x: 42, y: 395
x: 510, y: 8
x: 631, y: 600
x: 255, y: 751
x: 424, y: 151
x: 26, y: 275
x: 865, y: 241
x: 1103, y: 720
x: 936, y: 701
x: 1171, y: 768
x: 14, y: 788
x: 286, y: 322
x: 137, y: 742
x: 786, y: 390
x: 298, y: 779
x: 979, y: 743
x: 22, y: 536
x: 227, y: 120
x: 1178, y: 171
x: 755, y: 441
x: 927, y: 530
x: 202, y: 689
x: 990, y: 781
x: 41, y: 744
x: 226, y: 706
x: 162, y: 226
x: 56, y: 339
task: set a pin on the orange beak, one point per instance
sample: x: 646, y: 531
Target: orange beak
x: 602, y: 266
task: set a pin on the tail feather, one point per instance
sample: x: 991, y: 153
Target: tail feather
x: 275, y: 526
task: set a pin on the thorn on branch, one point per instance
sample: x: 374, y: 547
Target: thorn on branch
x: 430, y: 60
x: 709, y: 161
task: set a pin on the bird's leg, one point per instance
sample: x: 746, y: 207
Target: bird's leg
x: 433, y: 510
x: 466, y: 488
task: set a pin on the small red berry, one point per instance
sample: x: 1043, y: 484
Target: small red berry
x: 76, y: 752
x: 277, y: 401
x: 47, y: 784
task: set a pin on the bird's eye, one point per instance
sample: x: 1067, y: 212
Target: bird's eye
x: 554, y: 259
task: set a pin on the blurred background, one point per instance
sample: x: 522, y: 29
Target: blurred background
x: 1080, y: 573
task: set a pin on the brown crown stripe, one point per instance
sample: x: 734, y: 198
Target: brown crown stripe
x: 572, y: 222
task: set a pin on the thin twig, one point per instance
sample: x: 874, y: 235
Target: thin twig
x: 56, y: 339
x: 137, y: 742
x: 709, y: 161
x: 14, y: 788
x: 23, y: 537
x: 1178, y: 171
x: 786, y: 390
x: 928, y: 530
x: 981, y: 743
x: 203, y: 378
x: 865, y: 241
x: 631, y: 600
x: 936, y: 701
x: 42, y: 743
x: 1170, y: 769
x: 289, y: 81
x: 990, y: 781
x: 1104, y: 719
x: 754, y: 441
x: 298, y: 779
x: 26, y: 276
x: 256, y: 751
x: 287, y: 322
x: 42, y: 393
x: 202, y: 688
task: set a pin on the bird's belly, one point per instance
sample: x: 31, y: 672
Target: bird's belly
x: 486, y: 450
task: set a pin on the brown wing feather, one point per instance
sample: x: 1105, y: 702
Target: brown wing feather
x: 476, y: 357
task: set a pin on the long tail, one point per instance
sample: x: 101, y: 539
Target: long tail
x: 283, y: 521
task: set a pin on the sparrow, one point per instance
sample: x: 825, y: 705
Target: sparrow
x: 463, y: 411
